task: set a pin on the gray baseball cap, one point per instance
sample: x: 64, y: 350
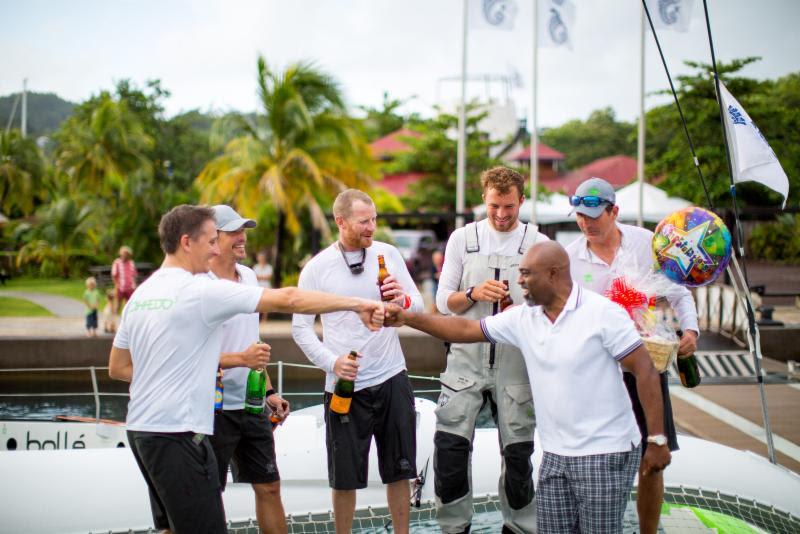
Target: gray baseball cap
x: 228, y: 220
x: 594, y: 187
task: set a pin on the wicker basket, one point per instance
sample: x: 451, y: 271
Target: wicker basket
x: 662, y: 351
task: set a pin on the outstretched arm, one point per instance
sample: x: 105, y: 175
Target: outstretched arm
x: 294, y: 300
x: 454, y: 329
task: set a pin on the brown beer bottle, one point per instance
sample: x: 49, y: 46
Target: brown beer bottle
x: 383, y: 273
x: 506, y: 301
x: 343, y: 391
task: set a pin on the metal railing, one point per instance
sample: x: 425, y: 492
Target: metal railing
x: 97, y: 394
x: 720, y: 311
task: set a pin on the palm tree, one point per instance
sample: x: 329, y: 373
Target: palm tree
x: 21, y: 173
x: 63, y: 236
x: 298, y: 153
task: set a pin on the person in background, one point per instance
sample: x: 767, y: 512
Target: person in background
x: 605, y: 251
x: 383, y: 403
x: 263, y: 270
x: 91, y: 297
x: 437, y: 260
x: 109, y: 318
x: 241, y: 438
x: 478, y: 259
x: 123, y: 273
x: 168, y: 347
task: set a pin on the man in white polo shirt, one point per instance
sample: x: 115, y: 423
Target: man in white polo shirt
x: 168, y: 346
x: 573, y: 342
x: 608, y: 250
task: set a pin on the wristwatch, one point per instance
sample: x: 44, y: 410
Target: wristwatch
x: 468, y: 294
x: 658, y: 439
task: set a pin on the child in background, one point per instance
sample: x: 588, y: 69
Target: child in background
x: 109, y: 319
x: 91, y: 297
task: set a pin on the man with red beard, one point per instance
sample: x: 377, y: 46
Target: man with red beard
x: 383, y: 403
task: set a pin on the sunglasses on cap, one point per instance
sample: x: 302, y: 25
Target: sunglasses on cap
x: 589, y: 201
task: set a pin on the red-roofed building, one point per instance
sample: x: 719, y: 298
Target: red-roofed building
x: 550, y: 160
x: 618, y: 170
x: 387, y: 146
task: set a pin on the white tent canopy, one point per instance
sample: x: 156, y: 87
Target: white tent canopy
x: 556, y: 208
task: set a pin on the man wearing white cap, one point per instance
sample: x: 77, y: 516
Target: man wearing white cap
x: 606, y: 250
x: 241, y: 438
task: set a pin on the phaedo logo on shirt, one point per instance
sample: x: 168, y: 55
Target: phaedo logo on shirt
x: 149, y: 305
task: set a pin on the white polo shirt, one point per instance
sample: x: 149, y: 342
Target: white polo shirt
x: 582, y: 406
x: 635, y: 256
x: 382, y: 356
x: 238, y: 333
x: 171, y: 326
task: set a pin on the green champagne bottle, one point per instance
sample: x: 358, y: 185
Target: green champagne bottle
x: 255, y: 391
x: 343, y: 392
x: 688, y: 371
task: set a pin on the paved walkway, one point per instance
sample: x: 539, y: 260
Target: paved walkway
x: 57, y: 305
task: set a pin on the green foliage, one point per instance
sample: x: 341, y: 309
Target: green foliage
x: 772, y: 104
x: 46, y: 112
x: 386, y: 119
x: 14, y: 307
x: 599, y: 136
x: 435, y: 155
x: 22, y: 173
x: 777, y: 241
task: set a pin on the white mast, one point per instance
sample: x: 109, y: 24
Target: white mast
x: 462, y: 128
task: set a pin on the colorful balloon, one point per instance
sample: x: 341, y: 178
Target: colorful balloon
x: 692, y: 246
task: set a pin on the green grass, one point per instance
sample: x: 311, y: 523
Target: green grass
x: 11, y: 307
x: 72, y: 288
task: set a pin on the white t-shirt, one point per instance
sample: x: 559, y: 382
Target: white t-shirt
x: 491, y: 242
x: 582, y: 406
x: 171, y: 326
x: 238, y: 333
x: 342, y: 332
x: 635, y: 253
x: 265, y: 270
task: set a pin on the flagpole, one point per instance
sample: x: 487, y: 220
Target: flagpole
x: 754, y: 339
x: 534, y: 132
x: 640, y: 142
x: 462, y: 126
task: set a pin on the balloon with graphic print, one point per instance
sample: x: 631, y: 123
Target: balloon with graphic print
x: 692, y: 246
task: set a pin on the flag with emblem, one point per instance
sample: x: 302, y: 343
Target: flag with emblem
x: 671, y: 14
x: 492, y: 14
x: 556, y: 20
x: 752, y: 158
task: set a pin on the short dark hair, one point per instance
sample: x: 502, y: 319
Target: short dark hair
x: 502, y: 179
x: 179, y: 221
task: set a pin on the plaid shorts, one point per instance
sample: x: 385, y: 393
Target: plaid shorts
x: 585, y: 493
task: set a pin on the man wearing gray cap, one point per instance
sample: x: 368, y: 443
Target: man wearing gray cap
x: 606, y: 250
x: 241, y: 438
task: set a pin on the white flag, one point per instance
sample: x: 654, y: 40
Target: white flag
x: 752, y: 158
x: 556, y: 20
x: 492, y: 14
x: 671, y: 14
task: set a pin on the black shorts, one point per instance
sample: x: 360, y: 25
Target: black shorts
x: 385, y: 411
x: 181, y: 473
x: 245, y: 441
x: 638, y: 411
x: 91, y: 320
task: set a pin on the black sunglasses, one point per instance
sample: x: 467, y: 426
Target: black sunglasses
x: 355, y: 268
x: 589, y: 201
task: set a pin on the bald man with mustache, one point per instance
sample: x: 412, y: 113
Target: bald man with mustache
x: 575, y: 344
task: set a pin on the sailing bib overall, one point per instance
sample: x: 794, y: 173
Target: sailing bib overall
x: 476, y: 374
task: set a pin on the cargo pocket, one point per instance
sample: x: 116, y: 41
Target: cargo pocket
x: 519, y: 414
x: 448, y: 410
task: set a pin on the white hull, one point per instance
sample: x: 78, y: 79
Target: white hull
x: 45, y: 491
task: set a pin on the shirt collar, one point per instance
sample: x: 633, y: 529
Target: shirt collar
x: 573, y: 301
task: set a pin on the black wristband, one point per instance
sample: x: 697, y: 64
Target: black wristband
x: 269, y: 393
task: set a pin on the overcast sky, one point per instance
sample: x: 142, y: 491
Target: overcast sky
x: 205, y: 51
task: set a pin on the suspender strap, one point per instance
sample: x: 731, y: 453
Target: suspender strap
x: 471, y: 237
x: 528, y: 237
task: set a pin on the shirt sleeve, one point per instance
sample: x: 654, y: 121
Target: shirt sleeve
x: 303, y: 329
x: 682, y: 302
x: 504, y: 327
x: 619, y: 334
x: 222, y: 299
x: 453, y: 267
